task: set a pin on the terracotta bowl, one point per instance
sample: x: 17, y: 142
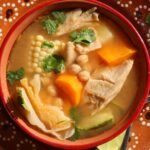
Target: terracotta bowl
x: 126, y: 26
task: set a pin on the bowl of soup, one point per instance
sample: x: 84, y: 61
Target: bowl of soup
x: 73, y: 74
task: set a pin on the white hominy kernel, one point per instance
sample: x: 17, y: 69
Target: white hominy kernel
x: 39, y: 38
x: 35, y: 65
x: 51, y: 89
x: 38, y: 70
x: 33, y: 43
x: 37, y: 49
x: 41, y: 58
x: 36, y: 55
x: 82, y: 59
x: 75, y: 68
x: 56, y: 47
x: 35, y: 60
x: 84, y: 75
x: 57, y: 42
x: 38, y: 43
x: 42, y: 53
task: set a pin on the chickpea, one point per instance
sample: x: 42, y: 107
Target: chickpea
x: 75, y: 68
x: 82, y: 59
x: 84, y: 75
x: 39, y: 38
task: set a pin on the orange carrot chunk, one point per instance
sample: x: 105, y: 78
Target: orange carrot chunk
x: 71, y: 86
x: 114, y: 55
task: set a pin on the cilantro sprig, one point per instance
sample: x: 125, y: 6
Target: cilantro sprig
x: 85, y: 36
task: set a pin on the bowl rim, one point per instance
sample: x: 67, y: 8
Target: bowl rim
x: 141, y: 103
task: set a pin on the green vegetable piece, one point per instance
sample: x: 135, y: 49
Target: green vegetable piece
x: 53, y: 63
x: 47, y: 44
x: 49, y: 25
x: 21, y: 101
x: 148, y: 19
x: 85, y: 36
x: 114, y: 144
x: 59, y: 16
x: 74, y: 114
x: 13, y: 76
x: 100, y: 119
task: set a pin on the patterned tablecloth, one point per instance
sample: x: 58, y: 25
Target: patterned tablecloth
x: 138, y: 11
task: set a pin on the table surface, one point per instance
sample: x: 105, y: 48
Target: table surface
x: 11, y: 137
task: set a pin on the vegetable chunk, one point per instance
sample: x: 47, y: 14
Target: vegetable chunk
x: 114, y: 54
x: 71, y: 86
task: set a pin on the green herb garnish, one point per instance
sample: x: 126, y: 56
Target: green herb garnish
x: 53, y: 63
x: 13, y: 76
x: 148, y: 19
x: 75, y: 117
x: 47, y: 44
x: 51, y: 23
x: 74, y: 114
x: 85, y: 36
x: 59, y: 16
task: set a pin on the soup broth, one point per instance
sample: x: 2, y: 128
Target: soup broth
x: 73, y: 74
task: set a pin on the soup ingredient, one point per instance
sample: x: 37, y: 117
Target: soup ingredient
x: 36, y: 54
x: 51, y: 25
x: 59, y: 16
x: 47, y: 44
x: 84, y: 75
x: 17, y: 75
x: 75, y: 68
x: 33, y: 118
x: 115, y: 54
x: 82, y: 59
x: 84, y: 49
x: 48, y: 114
x: 74, y: 114
x: 85, y: 36
x: 71, y: 86
x: 77, y: 19
x: 107, y: 83
x: 75, y: 117
x: 114, y: 144
x: 53, y: 63
x: 104, y: 33
x: 70, y: 53
x: 20, y: 99
x: 99, y: 119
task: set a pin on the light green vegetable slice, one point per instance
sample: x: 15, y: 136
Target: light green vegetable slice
x: 114, y: 144
x: 99, y: 119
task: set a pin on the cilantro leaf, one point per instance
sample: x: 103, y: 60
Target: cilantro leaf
x: 47, y: 44
x: 13, y: 76
x: 59, y: 16
x: 49, y: 25
x: 53, y: 63
x: 85, y: 36
x: 74, y: 114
